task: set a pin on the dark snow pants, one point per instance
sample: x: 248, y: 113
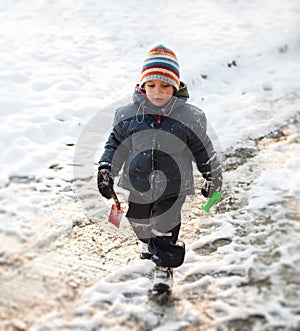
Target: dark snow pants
x: 158, y: 224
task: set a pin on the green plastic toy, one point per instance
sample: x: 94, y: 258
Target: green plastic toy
x: 215, y: 198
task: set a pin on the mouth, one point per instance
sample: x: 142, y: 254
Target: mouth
x: 159, y: 99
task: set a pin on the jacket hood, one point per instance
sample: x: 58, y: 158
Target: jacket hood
x: 183, y: 91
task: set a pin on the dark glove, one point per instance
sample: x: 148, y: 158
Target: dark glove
x: 105, y: 183
x: 211, y: 186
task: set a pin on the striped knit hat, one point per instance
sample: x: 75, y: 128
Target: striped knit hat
x: 161, y: 64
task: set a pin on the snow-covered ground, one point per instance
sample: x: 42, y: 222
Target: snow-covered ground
x: 65, y: 66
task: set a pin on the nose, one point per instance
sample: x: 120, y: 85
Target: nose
x: 157, y: 90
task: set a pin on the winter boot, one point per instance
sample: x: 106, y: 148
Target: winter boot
x: 163, y: 280
x: 145, y: 254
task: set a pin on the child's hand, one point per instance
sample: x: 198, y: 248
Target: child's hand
x: 211, y: 186
x: 105, y: 183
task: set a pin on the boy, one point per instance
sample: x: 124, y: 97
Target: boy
x: 155, y: 139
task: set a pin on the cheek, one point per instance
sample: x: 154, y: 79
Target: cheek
x: 149, y: 94
x: 170, y: 91
x: 148, y: 91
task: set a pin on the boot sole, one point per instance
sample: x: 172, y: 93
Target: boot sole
x: 161, y: 289
x: 146, y: 256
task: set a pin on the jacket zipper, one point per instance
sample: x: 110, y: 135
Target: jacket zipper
x: 155, y: 154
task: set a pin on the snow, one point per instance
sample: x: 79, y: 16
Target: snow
x: 65, y: 66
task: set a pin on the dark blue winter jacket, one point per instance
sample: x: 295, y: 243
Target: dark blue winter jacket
x: 157, y: 145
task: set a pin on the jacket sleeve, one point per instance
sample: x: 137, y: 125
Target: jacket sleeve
x: 116, y: 149
x: 203, y: 150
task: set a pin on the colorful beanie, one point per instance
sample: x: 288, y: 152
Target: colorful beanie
x: 161, y: 63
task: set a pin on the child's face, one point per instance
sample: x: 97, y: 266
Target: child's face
x: 158, y: 92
